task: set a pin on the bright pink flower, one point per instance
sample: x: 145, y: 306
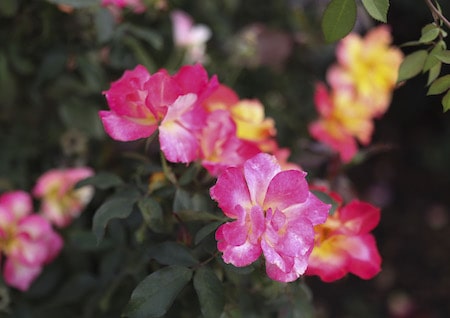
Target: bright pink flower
x: 220, y: 147
x: 136, y: 5
x: 274, y: 215
x: 140, y: 103
x: 61, y: 202
x: 343, y: 244
x: 190, y: 37
x: 27, y: 240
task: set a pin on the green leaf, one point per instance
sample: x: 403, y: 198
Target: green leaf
x: 443, y: 56
x: 412, y: 65
x: 102, y: 180
x: 205, y: 231
x: 152, y: 213
x: 210, y: 292
x: 77, y: 3
x: 431, y: 59
x: 446, y: 101
x: 172, y: 253
x: 429, y: 33
x: 440, y: 85
x: 156, y: 293
x: 434, y: 73
x: 113, y: 208
x: 104, y: 25
x: 8, y: 7
x: 338, y: 19
x: 377, y: 9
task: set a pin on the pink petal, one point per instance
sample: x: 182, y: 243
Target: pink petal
x: 181, y: 26
x: 241, y: 255
x: 312, y: 209
x: 162, y: 90
x: 194, y: 79
x: 330, y: 266
x: 287, y: 188
x: 20, y: 275
x: 230, y: 191
x: 298, y: 268
x: 322, y: 100
x: 34, y: 226
x: 17, y: 202
x: 178, y: 144
x: 359, y: 217
x: 258, y: 172
x: 365, y: 260
x: 122, y: 129
x: 181, y: 106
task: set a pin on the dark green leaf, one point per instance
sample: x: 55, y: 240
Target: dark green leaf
x: 113, y: 208
x: 74, y: 289
x: 86, y: 241
x: 412, y: 65
x: 210, y: 292
x: 338, y: 19
x: 440, y: 85
x: 151, y: 37
x: 190, y: 216
x: 446, y: 101
x: 102, y: 180
x: 152, y: 213
x: 156, y: 293
x: 377, y: 9
x: 182, y: 200
x: 104, y: 24
x: 172, y: 253
x: 205, y: 231
x: 8, y: 7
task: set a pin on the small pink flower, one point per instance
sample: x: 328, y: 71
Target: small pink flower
x: 343, y: 244
x: 141, y: 103
x: 274, y: 214
x: 61, y: 202
x: 190, y: 37
x: 27, y: 240
x: 136, y: 5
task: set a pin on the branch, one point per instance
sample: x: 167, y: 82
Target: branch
x: 437, y: 13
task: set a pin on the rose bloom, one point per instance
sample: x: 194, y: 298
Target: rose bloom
x: 343, y: 244
x: 61, y: 202
x: 274, y: 214
x: 27, y: 240
x: 368, y: 66
x: 136, y: 5
x: 141, y: 103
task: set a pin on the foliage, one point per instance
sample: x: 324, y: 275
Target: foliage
x: 146, y: 244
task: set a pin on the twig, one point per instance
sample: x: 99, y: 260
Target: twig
x: 437, y: 13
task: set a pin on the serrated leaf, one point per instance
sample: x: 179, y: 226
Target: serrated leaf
x: 210, y: 292
x: 443, y: 56
x: 152, y: 213
x: 338, y: 19
x: 172, y: 253
x: 377, y: 9
x: 433, y: 73
x: 102, y: 180
x: 429, y: 33
x: 446, y: 101
x: 156, y: 293
x: 111, y: 209
x: 412, y: 65
x: 440, y: 85
x: 431, y: 59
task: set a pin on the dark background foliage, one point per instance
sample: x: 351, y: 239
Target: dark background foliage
x: 54, y: 66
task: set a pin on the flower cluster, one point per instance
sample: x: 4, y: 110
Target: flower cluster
x: 27, y: 239
x: 361, y: 85
x: 343, y: 244
x: 196, y: 117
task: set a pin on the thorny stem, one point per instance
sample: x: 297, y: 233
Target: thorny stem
x: 437, y: 13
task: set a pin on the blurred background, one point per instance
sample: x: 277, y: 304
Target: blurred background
x: 56, y: 57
